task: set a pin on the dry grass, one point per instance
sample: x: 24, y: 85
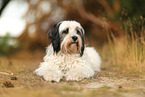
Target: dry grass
x: 127, y: 53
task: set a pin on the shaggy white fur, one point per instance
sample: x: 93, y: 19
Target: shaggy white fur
x: 69, y: 66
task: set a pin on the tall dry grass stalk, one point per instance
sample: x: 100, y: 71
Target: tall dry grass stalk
x: 127, y: 53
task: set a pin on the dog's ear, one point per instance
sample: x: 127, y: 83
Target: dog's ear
x: 83, y: 42
x: 53, y: 35
x: 83, y: 47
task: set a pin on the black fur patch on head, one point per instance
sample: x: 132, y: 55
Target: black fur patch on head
x: 53, y: 35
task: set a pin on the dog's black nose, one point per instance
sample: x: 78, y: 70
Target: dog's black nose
x: 74, y: 38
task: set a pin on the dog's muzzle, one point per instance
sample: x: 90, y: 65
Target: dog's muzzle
x: 75, y: 42
x: 73, y: 45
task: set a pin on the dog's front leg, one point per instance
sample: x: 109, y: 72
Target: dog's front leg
x: 50, y: 72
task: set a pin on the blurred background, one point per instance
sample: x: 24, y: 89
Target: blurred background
x: 25, y: 23
x: 116, y: 29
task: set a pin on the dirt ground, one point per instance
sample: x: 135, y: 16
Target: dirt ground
x: 18, y: 80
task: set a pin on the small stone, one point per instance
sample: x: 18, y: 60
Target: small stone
x: 52, y: 81
x: 13, y: 78
x: 119, y: 86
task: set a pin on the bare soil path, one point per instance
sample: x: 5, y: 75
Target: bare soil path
x: 18, y: 80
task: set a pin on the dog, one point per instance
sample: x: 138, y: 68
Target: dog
x: 67, y: 56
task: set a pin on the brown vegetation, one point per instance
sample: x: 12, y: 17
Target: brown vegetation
x: 39, y: 21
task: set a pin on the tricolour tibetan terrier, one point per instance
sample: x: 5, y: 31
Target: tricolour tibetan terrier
x: 67, y: 56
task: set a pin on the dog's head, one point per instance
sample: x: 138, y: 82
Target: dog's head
x: 67, y: 37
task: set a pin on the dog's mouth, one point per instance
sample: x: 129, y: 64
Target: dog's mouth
x: 73, y: 43
x: 73, y: 47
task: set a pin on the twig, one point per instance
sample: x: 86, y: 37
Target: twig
x: 5, y: 73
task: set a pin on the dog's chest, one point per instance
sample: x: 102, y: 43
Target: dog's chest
x: 65, y: 62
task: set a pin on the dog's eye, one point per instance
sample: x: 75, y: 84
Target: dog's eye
x: 65, y: 31
x: 78, y: 32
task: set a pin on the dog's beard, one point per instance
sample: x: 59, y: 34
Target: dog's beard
x: 69, y: 46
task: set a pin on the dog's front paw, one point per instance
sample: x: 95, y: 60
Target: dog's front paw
x: 79, y: 73
x: 52, y: 77
x: 49, y: 72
